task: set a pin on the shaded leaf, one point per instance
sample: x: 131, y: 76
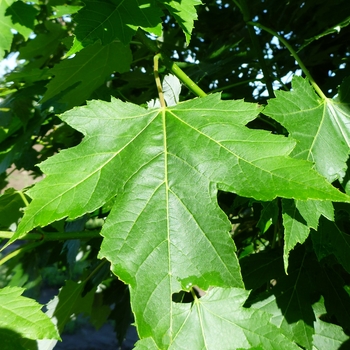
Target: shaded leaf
x: 268, y: 216
x: 23, y: 315
x: 330, y: 240
x: 23, y: 17
x: 70, y: 301
x: 42, y: 46
x: 75, y: 79
x: 288, y: 300
x: 334, y: 29
x: 298, y: 218
x: 11, y: 203
x: 108, y: 20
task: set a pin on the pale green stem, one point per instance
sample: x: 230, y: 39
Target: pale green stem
x: 24, y: 199
x: 53, y: 236
x: 183, y: 77
x: 173, y: 67
x: 19, y: 251
x: 294, y: 54
x: 157, y: 79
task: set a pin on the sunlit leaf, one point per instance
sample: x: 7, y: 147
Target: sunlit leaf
x: 185, y: 13
x: 23, y: 316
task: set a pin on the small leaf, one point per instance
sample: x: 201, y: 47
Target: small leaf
x: 11, y: 203
x: 23, y: 315
x: 185, y: 14
x: 321, y: 127
x: 70, y: 301
x: 298, y: 218
x: 171, y: 89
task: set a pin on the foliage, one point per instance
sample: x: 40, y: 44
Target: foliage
x: 215, y: 221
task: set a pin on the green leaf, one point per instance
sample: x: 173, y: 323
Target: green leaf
x: 184, y: 12
x: 23, y: 17
x: 38, y: 50
x: 62, y: 10
x: 68, y: 302
x: 288, y: 300
x: 156, y: 233
x: 268, y: 216
x: 171, y: 88
x: 108, y: 20
x: 5, y: 27
x: 330, y: 240
x: 11, y: 203
x: 321, y: 127
x: 162, y: 139
x: 76, y: 79
x: 298, y: 218
x: 198, y: 325
x: 327, y: 336
x: 23, y: 316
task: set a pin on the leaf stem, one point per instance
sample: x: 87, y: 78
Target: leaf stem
x: 157, y: 79
x: 171, y: 66
x: 24, y: 199
x: 294, y: 54
x: 184, y: 78
x: 19, y: 251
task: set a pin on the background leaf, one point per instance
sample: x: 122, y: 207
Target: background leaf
x: 23, y: 315
x: 185, y: 13
x: 73, y: 80
x: 108, y: 20
x: 5, y: 27
x: 321, y: 127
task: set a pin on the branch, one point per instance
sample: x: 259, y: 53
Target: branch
x: 53, y: 236
x: 294, y: 54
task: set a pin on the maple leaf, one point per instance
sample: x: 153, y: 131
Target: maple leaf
x: 321, y: 126
x: 164, y: 167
